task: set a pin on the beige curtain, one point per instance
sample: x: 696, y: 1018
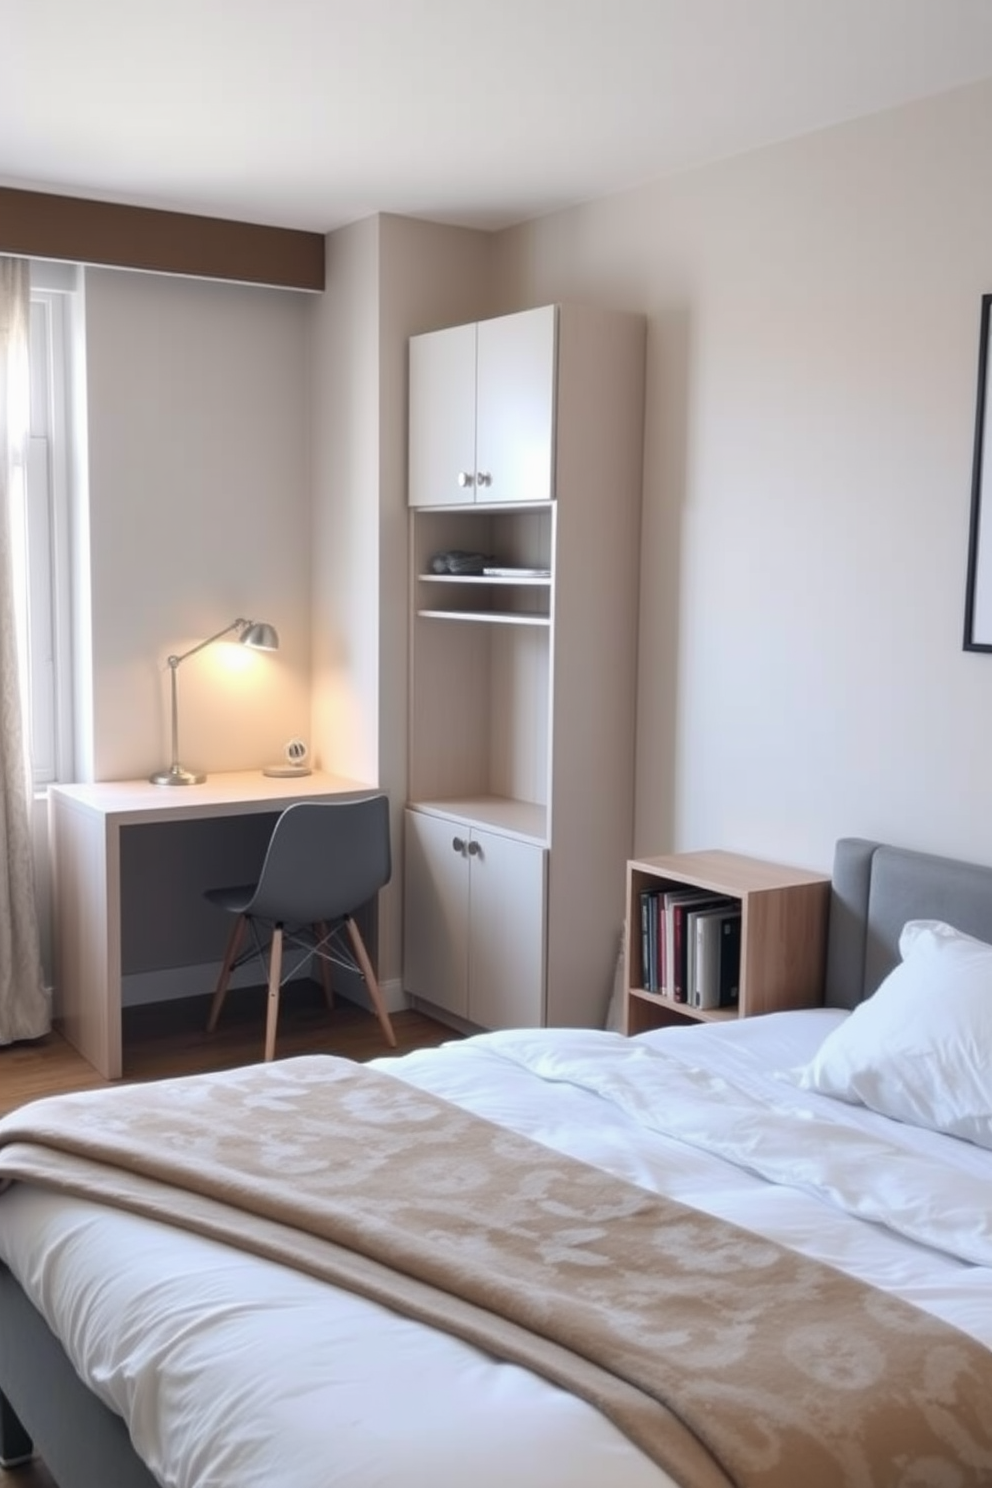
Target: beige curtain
x: 24, y: 1010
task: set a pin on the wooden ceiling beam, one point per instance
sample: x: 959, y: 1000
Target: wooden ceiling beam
x: 35, y: 224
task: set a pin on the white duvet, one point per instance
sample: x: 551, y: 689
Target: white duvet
x: 235, y: 1373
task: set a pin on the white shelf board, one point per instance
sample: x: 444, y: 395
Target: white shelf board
x: 487, y: 617
x: 527, y: 820
x: 541, y: 581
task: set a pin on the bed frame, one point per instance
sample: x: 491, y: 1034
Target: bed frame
x: 875, y: 889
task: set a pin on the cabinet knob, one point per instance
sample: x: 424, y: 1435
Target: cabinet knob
x: 475, y: 850
x: 483, y: 478
x: 466, y: 478
x: 458, y: 845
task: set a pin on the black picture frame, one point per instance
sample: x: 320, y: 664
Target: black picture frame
x: 978, y: 589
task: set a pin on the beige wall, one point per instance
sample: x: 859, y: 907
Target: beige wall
x: 811, y: 391
x: 191, y: 507
x: 387, y: 277
x: 199, y: 511
x: 345, y: 506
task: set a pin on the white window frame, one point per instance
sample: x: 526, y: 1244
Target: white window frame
x: 47, y: 526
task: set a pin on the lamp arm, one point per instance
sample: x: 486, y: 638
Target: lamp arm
x: 173, y: 664
x: 251, y: 633
x: 173, y: 661
x: 175, y: 714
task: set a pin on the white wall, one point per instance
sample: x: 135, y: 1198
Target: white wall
x: 811, y: 392
x: 199, y: 512
x: 430, y: 276
x: 387, y: 277
x: 345, y: 512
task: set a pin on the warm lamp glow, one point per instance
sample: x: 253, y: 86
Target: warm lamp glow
x: 254, y: 634
x: 234, y: 660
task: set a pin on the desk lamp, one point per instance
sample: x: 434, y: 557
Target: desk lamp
x: 253, y: 633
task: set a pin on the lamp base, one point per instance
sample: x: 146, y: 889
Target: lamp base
x: 176, y: 775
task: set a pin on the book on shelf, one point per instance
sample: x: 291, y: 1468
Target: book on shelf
x: 716, y: 935
x: 730, y: 961
x: 678, y: 904
x: 654, y: 957
x: 652, y: 941
x: 649, y: 940
x: 692, y: 912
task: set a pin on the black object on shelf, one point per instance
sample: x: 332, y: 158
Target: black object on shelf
x: 459, y: 562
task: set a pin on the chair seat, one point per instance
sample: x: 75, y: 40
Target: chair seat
x: 324, y: 860
x: 235, y: 899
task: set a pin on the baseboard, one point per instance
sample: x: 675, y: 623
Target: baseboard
x: 171, y: 983
x: 174, y: 982
x: 442, y: 1015
x: 353, y: 988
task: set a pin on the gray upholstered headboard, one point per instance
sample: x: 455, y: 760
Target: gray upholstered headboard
x: 875, y: 890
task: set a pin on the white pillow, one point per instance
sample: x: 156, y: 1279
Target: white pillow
x: 920, y: 1049
x: 914, y: 928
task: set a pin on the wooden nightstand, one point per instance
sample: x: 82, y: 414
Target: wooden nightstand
x: 783, y: 935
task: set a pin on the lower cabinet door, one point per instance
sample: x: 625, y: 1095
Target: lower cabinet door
x: 435, y: 911
x: 506, y: 932
x: 473, y: 922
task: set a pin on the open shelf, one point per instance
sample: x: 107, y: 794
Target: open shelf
x: 647, y: 1010
x: 521, y: 538
x: 783, y: 934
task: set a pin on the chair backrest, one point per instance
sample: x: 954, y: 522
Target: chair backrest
x: 324, y: 860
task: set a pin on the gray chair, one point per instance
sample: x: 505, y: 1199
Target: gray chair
x: 325, y: 859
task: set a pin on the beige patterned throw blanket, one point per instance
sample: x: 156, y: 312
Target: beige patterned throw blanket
x: 726, y: 1358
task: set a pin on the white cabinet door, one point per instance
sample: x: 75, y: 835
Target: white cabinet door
x: 436, y: 911
x: 442, y: 417
x: 506, y: 938
x: 482, y: 411
x: 515, y: 407
x: 474, y: 922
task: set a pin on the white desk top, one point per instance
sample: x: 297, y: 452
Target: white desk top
x: 223, y: 794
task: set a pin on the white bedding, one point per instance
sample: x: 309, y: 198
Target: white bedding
x: 235, y: 1373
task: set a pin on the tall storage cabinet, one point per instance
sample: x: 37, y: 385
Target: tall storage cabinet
x: 526, y: 436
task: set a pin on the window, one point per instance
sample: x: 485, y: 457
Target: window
x: 43, y: 548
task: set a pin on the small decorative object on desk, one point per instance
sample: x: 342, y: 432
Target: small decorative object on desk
x: 296, y: 753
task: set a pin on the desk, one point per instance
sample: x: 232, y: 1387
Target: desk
x: 85, y: 824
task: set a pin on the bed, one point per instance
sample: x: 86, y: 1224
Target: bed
x: 772, y: 1138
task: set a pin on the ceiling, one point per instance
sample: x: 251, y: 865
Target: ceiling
x: 314, y: 113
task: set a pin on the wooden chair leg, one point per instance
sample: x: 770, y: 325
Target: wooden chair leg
x: 230, y: 956
x: 272, y: 1008
x: 320, y: 930
x: 362, y: 956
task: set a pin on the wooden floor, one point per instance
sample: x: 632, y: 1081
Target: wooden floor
x: 32, y: 1475
x: 169, y: 1039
